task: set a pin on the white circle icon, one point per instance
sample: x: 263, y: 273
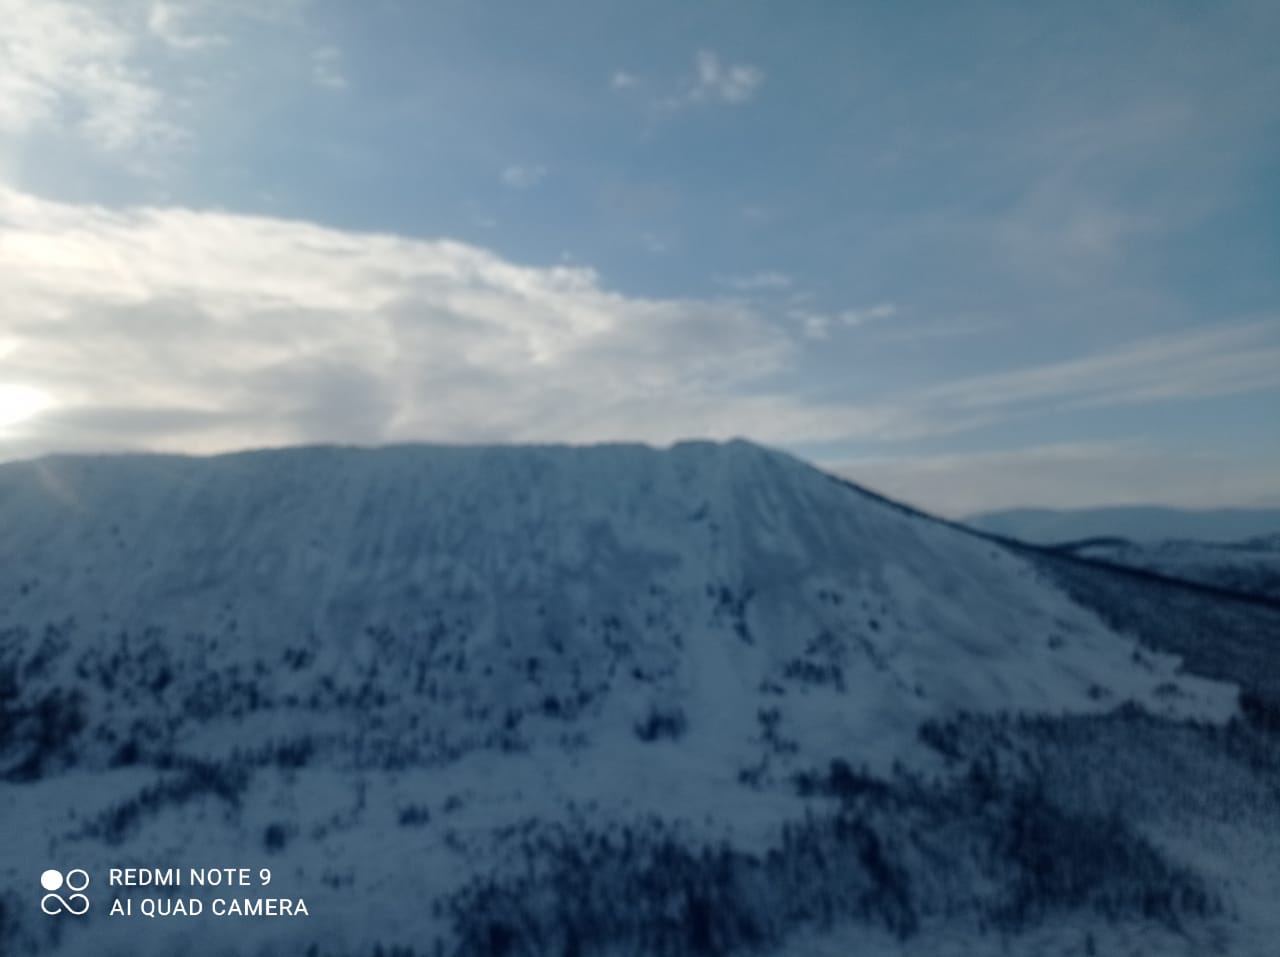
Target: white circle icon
x: 83, y: 879
x: 76, y: 880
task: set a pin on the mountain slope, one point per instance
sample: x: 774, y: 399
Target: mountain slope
x: 1251, y: 566
x: 712, y: 569
x: 445, y: 668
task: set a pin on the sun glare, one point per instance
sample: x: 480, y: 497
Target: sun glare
x: 18, y: 403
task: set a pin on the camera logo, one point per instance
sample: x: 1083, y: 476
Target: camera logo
x: 76, y: 880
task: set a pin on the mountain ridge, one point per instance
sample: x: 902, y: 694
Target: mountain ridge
x: 1138, y: 523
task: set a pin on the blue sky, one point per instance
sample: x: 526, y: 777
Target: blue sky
x: 974, y: 254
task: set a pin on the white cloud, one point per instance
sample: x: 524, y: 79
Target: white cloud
x: 814, y: 325
x: 622, y: 80
x: 716, y: 82
x: 177, y: 329
x: 655, y: 244
x: 523, y: 177
x: 123, y: 77
x: 326, y: 69
x: 730, y: 83
x: 764, y: 281
x: 818, y: 325
x: 1226, y: 359
x: 19, y: 403
x: 931, y: 330
x: 170, y: 22
x: 60, y: 60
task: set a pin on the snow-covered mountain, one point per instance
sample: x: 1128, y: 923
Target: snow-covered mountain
x: 1251, y: 566
x: 1143, y: 524
x: 553, y: 700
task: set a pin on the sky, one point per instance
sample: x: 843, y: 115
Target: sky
x: 974, y: 255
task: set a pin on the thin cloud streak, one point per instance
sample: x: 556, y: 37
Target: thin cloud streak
x: 1225, y: 360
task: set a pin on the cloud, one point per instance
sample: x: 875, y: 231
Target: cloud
x: 169, y: 328
x: 523, y: 177
x: 19, y: 403
x: 729, y: 83
x: 655, y: 244
x: 1229, y: 358
x: 715, y: 82
x: 931, y: 330
x: 1072, y: 475
x: 128, y: 81
x: 65, y: 60
x: 622, y: 80
x: 326, y: 69
x: 818, y: 325
x: 170, y: 22
x: 764, y: 281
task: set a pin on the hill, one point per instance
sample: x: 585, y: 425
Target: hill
x: 531, y: 700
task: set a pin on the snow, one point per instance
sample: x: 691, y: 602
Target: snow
x: 1251, y: 566
x: 693, y: 580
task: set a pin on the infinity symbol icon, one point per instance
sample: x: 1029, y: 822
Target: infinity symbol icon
x: 76, y: 880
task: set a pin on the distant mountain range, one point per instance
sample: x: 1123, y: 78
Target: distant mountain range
x: 517, y: 701
x: 1136, y: 523
x: 1235, y: 549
